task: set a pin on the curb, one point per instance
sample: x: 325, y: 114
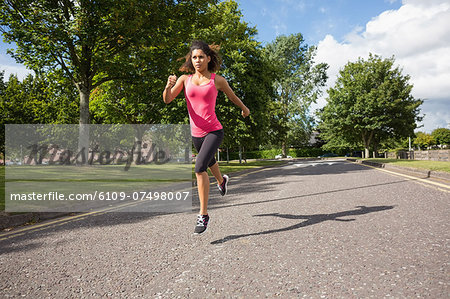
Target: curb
x: 406, y: 170
x: 9, y: 221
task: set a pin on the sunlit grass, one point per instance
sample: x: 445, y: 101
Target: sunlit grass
x: 115, y: 175
x: 428, y: 165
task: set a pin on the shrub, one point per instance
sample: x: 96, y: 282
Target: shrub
x: 271, y: 153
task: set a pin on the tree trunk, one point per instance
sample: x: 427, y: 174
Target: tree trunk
x: 240, y: 154
x: 137, y: 147
x: 366, y: 142
x: 83, y: 137
x: 187, y: 154
x: 283, y: 149
x: 375, y: 150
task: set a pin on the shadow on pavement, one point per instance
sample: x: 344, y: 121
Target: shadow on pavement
x: 310, y: 220
x: 254, y: 182
x: 215, y: 204
x: 257, y: 182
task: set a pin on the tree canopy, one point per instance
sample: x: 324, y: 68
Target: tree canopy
x: 97, y: 41
x: 297, y: 84
x: 442, y: 136
x: 244, y: 66
x: 370, y: 102
x: 94, y: 42
x: 35, y: 100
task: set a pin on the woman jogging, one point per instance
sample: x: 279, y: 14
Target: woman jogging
x: 200, y: 90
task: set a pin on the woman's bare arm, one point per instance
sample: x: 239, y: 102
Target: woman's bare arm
x: 173, y: 87
x: 222, y: 85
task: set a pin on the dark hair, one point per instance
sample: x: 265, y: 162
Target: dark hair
x: 209, y: 50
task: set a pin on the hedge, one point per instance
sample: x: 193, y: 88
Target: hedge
x: 270, y: 154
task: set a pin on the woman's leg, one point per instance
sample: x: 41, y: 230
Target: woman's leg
x: 216, y: 173
x: 222, y: 180
x: 206, y: 147
x: 203, y: 191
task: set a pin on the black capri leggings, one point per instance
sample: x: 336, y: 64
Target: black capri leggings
x: 206, y: 147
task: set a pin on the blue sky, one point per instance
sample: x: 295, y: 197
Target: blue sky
x: 415, y: 32
x: 313, y: 18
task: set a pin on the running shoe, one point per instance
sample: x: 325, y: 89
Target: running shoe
x: 202, y: 224
x: 223, y: 187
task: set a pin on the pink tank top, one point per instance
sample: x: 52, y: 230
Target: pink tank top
x: 201, y: 104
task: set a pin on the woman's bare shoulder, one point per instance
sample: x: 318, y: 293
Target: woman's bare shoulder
x: 183, y: 78
x: 220, y: 81
x: 220, y: 78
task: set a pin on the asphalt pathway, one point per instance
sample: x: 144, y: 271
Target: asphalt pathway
x: 314, y: 229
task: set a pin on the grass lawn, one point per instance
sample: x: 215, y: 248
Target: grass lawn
x: 95, y: 174
x: 428, y: 165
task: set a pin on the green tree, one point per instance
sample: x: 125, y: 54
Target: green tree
x: 138, y: 101
x: 424, y: 140
x: 35, y: 100
x: 370, y: 103
x: 243, y: 65
x: 297, y: 84
x: 94, y: 42
x: 442, y: 136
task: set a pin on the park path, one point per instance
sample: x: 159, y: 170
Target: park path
x: 315, y: 229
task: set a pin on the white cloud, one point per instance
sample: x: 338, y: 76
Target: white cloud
x: 418, y: 35
x: 9, y: 65
x: 437, y: 115
x: 15, y: 69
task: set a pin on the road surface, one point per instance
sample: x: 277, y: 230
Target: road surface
x: 314, y: 229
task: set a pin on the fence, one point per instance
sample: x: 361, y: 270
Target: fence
x: 433, y: 155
